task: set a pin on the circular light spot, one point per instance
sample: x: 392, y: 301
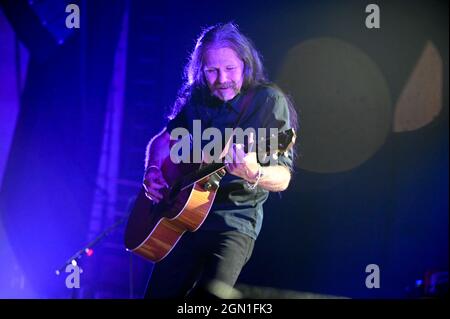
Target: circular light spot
x: 343, y: 101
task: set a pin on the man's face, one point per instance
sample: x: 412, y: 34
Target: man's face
x: 224, y: 72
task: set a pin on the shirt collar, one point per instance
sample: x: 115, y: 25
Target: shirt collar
x: 234, y: 103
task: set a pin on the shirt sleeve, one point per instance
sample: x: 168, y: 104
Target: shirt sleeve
x: 278, y: 116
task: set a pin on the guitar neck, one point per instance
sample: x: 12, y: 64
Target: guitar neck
x: 202, y: 172
x: 284, y: 140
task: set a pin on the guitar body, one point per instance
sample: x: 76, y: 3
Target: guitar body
x: 154, y: 229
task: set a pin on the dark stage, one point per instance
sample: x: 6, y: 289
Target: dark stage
x: 84, y: 86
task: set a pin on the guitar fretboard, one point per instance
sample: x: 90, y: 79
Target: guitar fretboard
x: 202, y: 172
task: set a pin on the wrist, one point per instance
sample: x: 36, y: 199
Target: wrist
x: 252, y: 177
x: 252, y: 184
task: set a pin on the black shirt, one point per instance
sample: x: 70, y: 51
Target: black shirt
x: 236, y: 206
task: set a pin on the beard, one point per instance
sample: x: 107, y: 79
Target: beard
x: 228, y: 85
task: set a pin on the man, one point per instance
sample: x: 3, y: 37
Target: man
x: 224, y: 71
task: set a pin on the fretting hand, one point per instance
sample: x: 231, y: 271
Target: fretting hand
x: 153, y: 183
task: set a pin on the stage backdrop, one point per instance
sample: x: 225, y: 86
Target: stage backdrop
x: 371, y: 179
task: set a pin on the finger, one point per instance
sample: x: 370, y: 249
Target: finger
x: 154, y: 200
x: 240, y: 154
x: 156, y: 185
x: 152, y: 183
x: 237, y: 152
x: 151, y: 172
x: 251, y: 142
x: 232, y: 156
x: 154, y: 194
x: 147, y: 182
x: 229, y: 168
x: 227, y: 147
x: 156, y: 176
x: 162, y: 181
x: 229, y: 156
x: 147, y: 188
x: 237, y: 155
x: 233, y: 167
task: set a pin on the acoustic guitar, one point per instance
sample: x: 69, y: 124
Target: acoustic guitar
x: 153, y: 230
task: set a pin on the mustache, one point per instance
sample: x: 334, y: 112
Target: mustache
x: 227, y: 85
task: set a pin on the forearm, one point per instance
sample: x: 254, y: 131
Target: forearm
x: 158, y: 149
x: 275, y: 178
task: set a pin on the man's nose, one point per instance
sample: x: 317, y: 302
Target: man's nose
x: 222, y: 76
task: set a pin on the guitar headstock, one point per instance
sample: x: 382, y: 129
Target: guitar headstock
x: 284, y: 141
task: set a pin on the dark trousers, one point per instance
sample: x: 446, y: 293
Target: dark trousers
x: 199, y: 259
